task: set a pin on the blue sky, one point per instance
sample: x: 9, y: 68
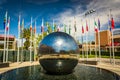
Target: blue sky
x: 62, y: 11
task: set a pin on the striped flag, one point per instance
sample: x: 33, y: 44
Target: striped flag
x: 42, y: 26
x: 35, y: 28
x: 22, y: 28
x: 86, y: 26
x: 112, y: 23
x: 75, y: 25
x: 5, y: 20
x: 69, y: 29
x: 98, y: 24
x: 58, y: 28
x: 64, y: 28
x: 95, y: 27
x: 8, y: 24
x: 31, y: 25
x: 82, y: 29
x: 19, y: 23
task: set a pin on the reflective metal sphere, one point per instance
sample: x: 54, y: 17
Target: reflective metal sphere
x: 58, y: 53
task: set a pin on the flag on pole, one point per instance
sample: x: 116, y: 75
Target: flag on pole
x: 22, y: 28
x: 31, y: 25
x: 75, y: 25
x: 82, y: 29
x: 5, y: 20
x: 64, y: 28
x: 86, y: 26
x: 8, y: 24
x: 98, y: 24
x: 58, y: 28
x: 53, y: 26
x: 112, y: 23
x: 35, y: 28
x: 19, y: 24
x: 69, y: 29
x: 42, y: 26
x: 95, y: 26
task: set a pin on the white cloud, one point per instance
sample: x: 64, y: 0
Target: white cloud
x: 102, y: 8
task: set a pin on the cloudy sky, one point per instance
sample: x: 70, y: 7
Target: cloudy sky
x: 62, y: 11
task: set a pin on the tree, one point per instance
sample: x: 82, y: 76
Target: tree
x: 26, y: 35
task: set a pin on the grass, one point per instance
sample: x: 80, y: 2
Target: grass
x: 102, y: 56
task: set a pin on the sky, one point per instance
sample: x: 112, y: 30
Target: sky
x: 62, y: 11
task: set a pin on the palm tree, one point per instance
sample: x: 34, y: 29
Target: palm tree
x: 26, y: 35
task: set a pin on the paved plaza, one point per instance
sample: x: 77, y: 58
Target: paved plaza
x: 104, y: 64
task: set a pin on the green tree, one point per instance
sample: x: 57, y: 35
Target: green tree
x: 26, y: 35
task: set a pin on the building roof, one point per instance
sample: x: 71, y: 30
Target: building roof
x: 8, y: 36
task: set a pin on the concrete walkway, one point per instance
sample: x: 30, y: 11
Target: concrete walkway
x: 104, y: 64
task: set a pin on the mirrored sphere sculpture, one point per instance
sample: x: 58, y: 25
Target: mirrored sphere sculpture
x: 58, y: 53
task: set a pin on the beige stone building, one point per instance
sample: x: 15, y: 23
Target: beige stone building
x: 11, y: 43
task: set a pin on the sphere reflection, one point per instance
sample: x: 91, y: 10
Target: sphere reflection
x: 58, y: 50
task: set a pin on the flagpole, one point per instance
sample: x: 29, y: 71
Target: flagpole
x: 109, y: 39
x: 112, y: 26
x: 18, y: 39
x: 95, y: 40
x: 99, y: 40
x: 113, y: 49
x: 89, y: 38
x: 82, y: 48
x: 35, y: 52
x: 31, y: 42
x: 7, y: 39
x: 22, y: 40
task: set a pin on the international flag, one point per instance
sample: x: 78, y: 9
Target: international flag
x: 31, y: 25
x: 8, y: 24
x: 35, y: 28
x: 69, y: 29
x: 53, y: 26
x: 5, y: 20
x: 22, y: 28
x: 64, y: 28
x: 95, y: 26
x: 19, y: 23
x: 86, y: 26
x: 82, y: 29
x: 42, y: 26
x: 58, y: 28
x: 98, y: 24
x: 112, y: 23
x: 75, y: 25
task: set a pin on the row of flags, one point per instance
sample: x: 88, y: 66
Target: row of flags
x: 97, y: 25
x: 6, y: 22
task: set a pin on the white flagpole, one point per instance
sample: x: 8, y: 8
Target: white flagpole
x: 35, y: 51
x: 113, y: 49
x: 31, y: 43
x: 82, y: 48
x: 8, y: 39
x: 18, y: 51
x: 86, y: 46
x: 112, y: 42
x: 99, y: 42
x: 5, y: 39
x: 89, y: 38
x: 22, y: 28
x: 109, y: 39
x: 95, y: 47
x: 99, y: 46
